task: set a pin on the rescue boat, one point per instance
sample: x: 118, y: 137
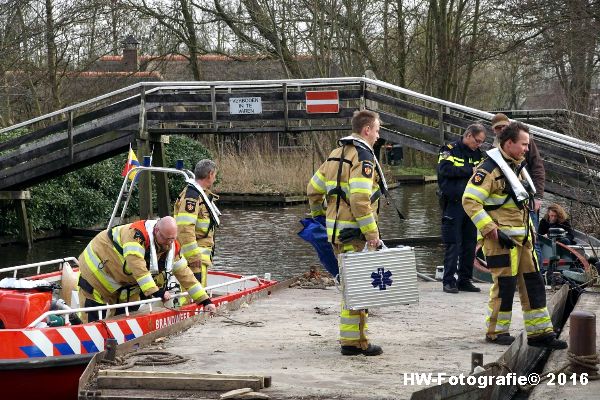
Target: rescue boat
x: 41, y: 351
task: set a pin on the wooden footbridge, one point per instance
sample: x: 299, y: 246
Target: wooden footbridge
x: 88, y: 132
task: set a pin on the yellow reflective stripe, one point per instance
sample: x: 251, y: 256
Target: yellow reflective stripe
x: 93, y: 262
x: 340, y: 224
x: 196, y: 291
x: 191, y: 251
x: 481, y: 218
x: 448, y: 158
x: 134, y: 248
x: 185, y: 219
x: 513, y: 230
x: 317, y: 209
x: 347, y: 248
x: 476, y: 193
x: 202, y: 224
x: 146, y: 282
x: 514, y: 261
x: 360, y: 185
x: 180, y: 264
x: 367, y: 223
x: 318, y: 182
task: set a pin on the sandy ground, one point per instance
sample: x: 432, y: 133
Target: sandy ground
x: 297, y: 344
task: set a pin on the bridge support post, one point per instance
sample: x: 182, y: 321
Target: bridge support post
x: 143, y: 147
x: 163, y: 199
x: 19, y: 198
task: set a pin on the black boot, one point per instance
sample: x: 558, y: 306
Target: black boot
x: 548, y: 341
x: 467, y: 286
x: 372, y: 350
x: 503, y: 339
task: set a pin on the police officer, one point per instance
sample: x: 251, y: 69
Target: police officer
x: 125, y: 258
x: 496, y: 199
x: 349, y: 184
x: 456, y: 164
x: 195, y: 224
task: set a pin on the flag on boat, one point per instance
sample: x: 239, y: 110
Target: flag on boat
x: 132, y: 162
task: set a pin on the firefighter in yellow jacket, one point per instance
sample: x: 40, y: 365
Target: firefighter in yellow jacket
x: 125, y: 259
x: 348, y: 183
x: 497, y: 199
x: 195, y: 225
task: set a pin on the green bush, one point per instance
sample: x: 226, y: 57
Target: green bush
x: 86, y: 197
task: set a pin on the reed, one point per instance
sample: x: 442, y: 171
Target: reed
x: 262, y: 170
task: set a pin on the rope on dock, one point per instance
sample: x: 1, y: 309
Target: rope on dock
x: 146, y: 358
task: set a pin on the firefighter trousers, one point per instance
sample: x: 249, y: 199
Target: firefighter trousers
x: 512, y: 268
x: 353, y: 323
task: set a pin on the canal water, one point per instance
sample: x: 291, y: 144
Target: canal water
x: 256, y: 240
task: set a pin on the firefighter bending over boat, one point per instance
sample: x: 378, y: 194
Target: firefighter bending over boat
x: 120, y: 262
x: 351, y: 182
x: 497, y: 199
x: 195, y: 221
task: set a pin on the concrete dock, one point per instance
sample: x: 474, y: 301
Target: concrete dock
x: 296, y: 344
x: 563, y: 385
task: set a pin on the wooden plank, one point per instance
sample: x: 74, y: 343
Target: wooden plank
x: 39, y: 134
x: 176, y: 383
x: 15, y: 195
x: 22, y: 176
x: 344, y: 94
x: 61, y: 126
x: 39, y: 157
x: 168, y: 374
x: 417, y: 144
x: 261, y: 129
x: 34, y: 152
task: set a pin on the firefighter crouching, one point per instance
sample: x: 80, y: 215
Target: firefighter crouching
x: 349, y: 183
x: 195, y: 224
x: 496, y: 199
x: 119, y: 263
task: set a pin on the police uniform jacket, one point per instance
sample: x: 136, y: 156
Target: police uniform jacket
x: 358, y: 190
x: 119, y: 258
x: 195, y: 228
x: 488, y: 202
x: 455, y: 167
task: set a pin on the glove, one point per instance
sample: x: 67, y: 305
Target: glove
x: 349, y: 234
x: 159, y: 294
x: 320, y: 219
x: 505, y: 241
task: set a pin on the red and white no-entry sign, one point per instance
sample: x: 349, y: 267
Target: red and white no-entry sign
x: 325, y: 101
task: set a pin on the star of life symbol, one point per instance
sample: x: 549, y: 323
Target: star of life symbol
x: 381, y: 278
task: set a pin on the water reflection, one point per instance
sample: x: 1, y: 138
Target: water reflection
x: 257, y: 240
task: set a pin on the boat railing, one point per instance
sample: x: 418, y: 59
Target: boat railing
x: 39, y: 265
x: 149, y: 302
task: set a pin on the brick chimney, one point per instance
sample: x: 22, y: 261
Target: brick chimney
x: 130, y: 54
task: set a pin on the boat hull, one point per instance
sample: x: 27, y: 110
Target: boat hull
x: 52, y: 379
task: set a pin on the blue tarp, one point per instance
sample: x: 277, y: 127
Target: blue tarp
x: 315, y: 233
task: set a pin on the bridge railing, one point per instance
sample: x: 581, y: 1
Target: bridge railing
x: 101, y: 127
